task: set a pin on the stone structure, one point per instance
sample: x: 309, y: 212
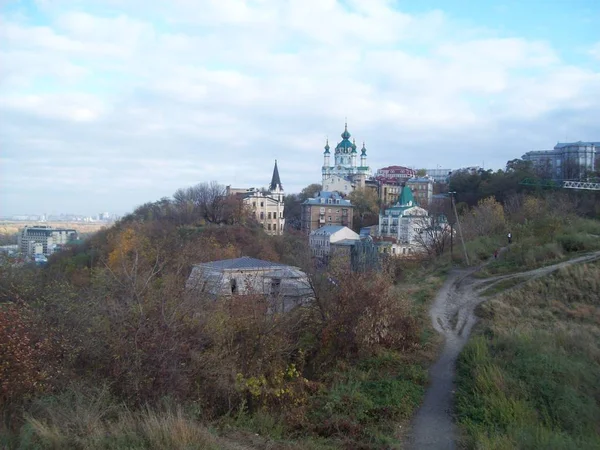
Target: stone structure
x: 284, y: 286
x: 326, y: 208
x: 346, y: 173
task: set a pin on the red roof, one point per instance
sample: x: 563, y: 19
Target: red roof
x: 398, y: 170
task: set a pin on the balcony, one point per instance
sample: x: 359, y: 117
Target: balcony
x: 321, y: 219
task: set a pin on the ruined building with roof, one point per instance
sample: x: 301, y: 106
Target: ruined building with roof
x: 346, y: 173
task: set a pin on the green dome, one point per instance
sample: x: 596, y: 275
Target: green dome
x: 344, y: 145
x: 327, y: 146
x: 346, y: 135
x: 363, y: 150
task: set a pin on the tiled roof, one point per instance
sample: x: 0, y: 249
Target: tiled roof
x: 245, y: 262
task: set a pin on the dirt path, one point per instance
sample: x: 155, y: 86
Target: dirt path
x: 453, y: 316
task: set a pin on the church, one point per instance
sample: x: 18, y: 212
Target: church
x: 345, y: 174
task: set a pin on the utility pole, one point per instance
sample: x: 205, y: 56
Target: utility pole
x: 459, y: 229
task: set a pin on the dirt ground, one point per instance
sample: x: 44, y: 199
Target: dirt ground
x: 453, y: 316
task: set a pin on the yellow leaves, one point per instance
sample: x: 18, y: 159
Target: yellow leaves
x: 282, y: 386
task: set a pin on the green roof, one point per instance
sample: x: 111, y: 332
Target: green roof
x: 406, y: 197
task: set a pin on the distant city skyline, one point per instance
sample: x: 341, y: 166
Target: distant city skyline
x: 107, y: 105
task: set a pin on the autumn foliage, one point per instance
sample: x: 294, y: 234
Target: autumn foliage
x: 30, y: 355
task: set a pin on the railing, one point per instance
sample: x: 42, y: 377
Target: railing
x: 581, y: 185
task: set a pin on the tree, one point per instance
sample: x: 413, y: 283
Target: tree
x: 421, y: 172
x: 366, y: 206
x: 434, y: 234
x: 293, y: 205
x: 309, y: 191
x: 208, y: 201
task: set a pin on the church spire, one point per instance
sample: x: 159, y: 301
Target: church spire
x: 275, y: 180
x: 346, y: 135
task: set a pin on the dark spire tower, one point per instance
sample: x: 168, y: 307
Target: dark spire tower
x: 275, y: 180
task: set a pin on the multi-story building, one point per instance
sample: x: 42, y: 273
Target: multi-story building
x: 568, y: 160
x: 267, y: 205
x: 326, y: 208
x: 395, y: 175
x: 345, y: 174
x: 43, y: 239
x: 403, y: 221
x: 422, y: 190
x: 322, y: 241
x: 439, y: 175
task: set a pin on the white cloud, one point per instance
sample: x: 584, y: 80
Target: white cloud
x: 164, y: 94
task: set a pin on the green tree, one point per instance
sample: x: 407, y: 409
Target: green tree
x: 309, y: 191
x: 366, y: 207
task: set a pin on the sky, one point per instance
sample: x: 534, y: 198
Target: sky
x: 109, y: 104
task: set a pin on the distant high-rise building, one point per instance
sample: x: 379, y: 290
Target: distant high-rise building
x: 43, y: 239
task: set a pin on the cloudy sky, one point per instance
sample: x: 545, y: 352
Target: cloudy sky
x: 107, y: 104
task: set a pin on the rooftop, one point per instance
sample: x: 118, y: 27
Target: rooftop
x: 245, y: 262
x: 328, y: 229
x: 326, y: 195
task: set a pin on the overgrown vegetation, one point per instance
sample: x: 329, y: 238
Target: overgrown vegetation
x: 531, y: 376
x: 189, y: 372
x: 104, y: 348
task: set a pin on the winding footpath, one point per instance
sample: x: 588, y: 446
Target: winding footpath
x: 453, y: 316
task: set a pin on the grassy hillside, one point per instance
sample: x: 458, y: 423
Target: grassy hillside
x: 530, y: 377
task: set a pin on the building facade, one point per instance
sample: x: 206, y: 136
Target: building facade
x: 285, y: 286
x: 326, y: 208
x: 567, y: 161
x: 322, y: 241
x: 347, y: 172
x: 395, y: 175
x: 403, y: 221
x: 43, y: 239
x: 422, y: 190
x: 267, y: 206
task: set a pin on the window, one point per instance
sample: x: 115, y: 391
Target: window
x: 330, y: 218
x: 269, y: 215
x: 269, y: 226
x: 254, y: 204
x: 275, y: 226
x: 233, y: 286
x: 262, y: 204
x: 262, y: 215
x: 275, y: 286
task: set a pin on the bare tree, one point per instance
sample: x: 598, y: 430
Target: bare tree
x: 433, y: 234
x: 205, y: 200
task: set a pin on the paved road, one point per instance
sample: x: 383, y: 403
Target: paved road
x: 452, y: 315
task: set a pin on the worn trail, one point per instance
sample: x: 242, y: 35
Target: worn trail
x: 453, y: 316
